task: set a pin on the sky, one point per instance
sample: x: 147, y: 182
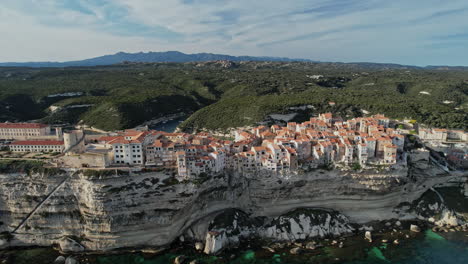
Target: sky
x: 414, y: 32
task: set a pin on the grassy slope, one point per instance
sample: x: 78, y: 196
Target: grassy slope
x: 127, y: 95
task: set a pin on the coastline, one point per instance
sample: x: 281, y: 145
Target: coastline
x: 347, y: 249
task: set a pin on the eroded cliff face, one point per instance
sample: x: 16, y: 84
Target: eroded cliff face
x: 150, y: 209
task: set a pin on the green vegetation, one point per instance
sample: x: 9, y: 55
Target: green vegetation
x: 356, y: 166
x: 27, y: 166
x: 102, y: 174
x: 169, y: 182
x: 123, y: 96
x: 6, y: 235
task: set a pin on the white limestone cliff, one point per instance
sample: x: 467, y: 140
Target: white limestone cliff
x: 103, y: 212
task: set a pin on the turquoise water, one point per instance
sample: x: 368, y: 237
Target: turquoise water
x: 428, y: 248
x: 432, y: 249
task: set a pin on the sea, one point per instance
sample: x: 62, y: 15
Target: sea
x: 168, y: 126
x: 426, y: 248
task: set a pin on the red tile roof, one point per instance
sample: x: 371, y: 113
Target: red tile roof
x: 22, y: 125
x: 108, y: 138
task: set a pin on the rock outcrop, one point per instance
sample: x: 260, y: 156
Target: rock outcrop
x: 232, y: 226
x: 306, y: 223
x: 227, y: 229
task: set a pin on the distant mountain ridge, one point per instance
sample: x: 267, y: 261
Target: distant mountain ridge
x: 168, y: 56
x: 176, y: 56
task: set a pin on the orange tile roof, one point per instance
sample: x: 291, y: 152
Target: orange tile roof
x: 22, y: 125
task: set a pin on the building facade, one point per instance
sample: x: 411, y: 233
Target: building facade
x: 21, y: 131
x: 37, y: 146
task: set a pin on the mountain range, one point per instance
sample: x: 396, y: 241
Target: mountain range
x: 168, y: 56
x: 176, y: 56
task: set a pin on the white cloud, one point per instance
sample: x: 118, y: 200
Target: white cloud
x: 376, y: 30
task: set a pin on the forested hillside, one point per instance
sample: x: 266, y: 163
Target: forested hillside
x: 228, y: 94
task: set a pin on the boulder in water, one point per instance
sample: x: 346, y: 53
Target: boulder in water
x: 199, y: 246
x: 269, y: 249
x: 71, y: 260
x: 368, y: 236
x: 179, y: 259
x: 295, y: 251
x: 415, y: 228
x: 311, y: 245
x: 60, y: 260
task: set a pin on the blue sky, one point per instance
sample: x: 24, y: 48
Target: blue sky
x: 417, y: 32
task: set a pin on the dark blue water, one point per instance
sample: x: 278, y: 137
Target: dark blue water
x: 427, y: 249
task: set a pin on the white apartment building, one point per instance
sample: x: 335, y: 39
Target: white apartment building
x: 128, y: 149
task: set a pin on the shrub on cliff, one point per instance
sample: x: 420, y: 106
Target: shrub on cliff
x: 356, y: 166
x: 28, y: 167
x: 6, y: 235
x: 100, y: 174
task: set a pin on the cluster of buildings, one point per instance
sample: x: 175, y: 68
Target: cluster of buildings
x: 442, y: 135
x: 320, y: 141
x: 31, y: 137
x: 453, y: 143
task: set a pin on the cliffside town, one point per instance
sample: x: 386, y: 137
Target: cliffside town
x: 320, y: 142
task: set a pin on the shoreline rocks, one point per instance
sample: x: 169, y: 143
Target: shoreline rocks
x: 199, y: 246
x: 295, y: 251
x: 415, y: 228
x: 69, y: 245
x: 60, y: 260
x: 179, y: 259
